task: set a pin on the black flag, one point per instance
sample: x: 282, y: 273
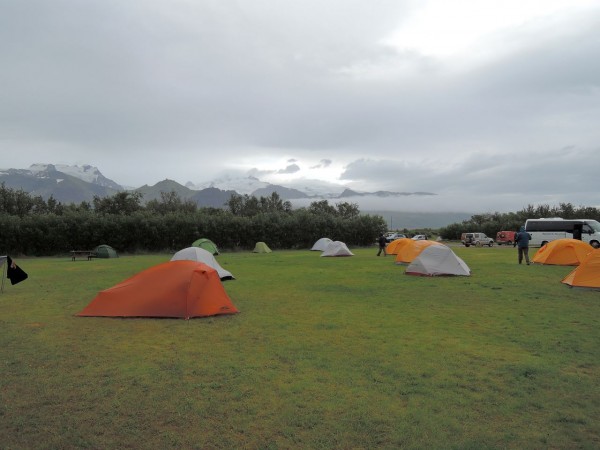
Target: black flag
x: 14, y: 273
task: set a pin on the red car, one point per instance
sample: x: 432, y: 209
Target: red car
x: 505, y: 237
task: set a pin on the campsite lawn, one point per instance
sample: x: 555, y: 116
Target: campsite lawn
x: 344, y: 352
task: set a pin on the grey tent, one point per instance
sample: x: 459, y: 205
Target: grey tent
x: 438, y: 260
x: 105, y: 251
x: 321, y: 244
x: 203, y: 256
x: 337, y: 248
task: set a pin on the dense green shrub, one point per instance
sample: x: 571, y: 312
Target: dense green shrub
x: 30, y: 226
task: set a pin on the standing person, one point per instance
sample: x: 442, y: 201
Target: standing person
x: 382, y: 243
x: 522, y: 239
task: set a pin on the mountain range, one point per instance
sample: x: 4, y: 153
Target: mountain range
x: 75, y: 184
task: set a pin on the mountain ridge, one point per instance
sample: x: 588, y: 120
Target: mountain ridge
x: 76, y: 184
x: 49, y: 182
x: 44, y: 180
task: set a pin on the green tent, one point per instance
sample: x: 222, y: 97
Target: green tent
x: 105, y: 251
x: 207, y: 245
x: 261, y: 247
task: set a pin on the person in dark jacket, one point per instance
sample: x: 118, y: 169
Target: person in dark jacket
x: 382, y: 243
x: 522, y: 239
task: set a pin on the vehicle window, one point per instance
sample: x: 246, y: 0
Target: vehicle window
x: 594, y: 225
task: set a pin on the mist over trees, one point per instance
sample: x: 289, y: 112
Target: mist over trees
x: 34, y: 227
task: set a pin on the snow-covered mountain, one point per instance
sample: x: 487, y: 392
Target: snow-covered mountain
x: 317, y: 188
x: 250, y: 185
x: 66, y: 184
x: 242, y: 185
x: 76, y: 183
x: 87, y: 173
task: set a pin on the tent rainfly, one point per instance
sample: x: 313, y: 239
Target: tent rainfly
x: 394, y: 247
x: 261, y: 247
x: 563, y: 252
x: 410, y: 251
x: 437, y: 260
x: 321, y: 244
x: 337, y: 248
x: 105, y: 251
x: 181, y: 289
x: 587, y: 274
x: 207, y: 245
x: 203, y: 256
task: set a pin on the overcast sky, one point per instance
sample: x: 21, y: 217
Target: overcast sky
x: 494, y: 101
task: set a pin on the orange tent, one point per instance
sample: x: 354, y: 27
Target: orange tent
x: 563, y: 252
x: 394, y: 246
x: 587, y: 275
x: 410, y: 251
x: 181, y: 289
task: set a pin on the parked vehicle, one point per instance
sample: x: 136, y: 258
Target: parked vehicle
x: 543, y: 231
x: 419, y: 237
x: 505, y: 237
x: 476, y: 239
x: 389, y: 237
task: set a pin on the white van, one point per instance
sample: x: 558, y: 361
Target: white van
x: 476, y: 239
x: 543, y: 231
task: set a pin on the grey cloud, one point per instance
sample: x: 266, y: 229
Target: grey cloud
x: 323, y: 163
x: 168, y: 86
x: 292, y: 168
x: 531, y: 174
x: 257, y: 173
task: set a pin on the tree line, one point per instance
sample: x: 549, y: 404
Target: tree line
x: 32, y: 226
x: 491, y: 223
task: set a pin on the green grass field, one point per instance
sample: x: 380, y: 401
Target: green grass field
x: 325, y: 353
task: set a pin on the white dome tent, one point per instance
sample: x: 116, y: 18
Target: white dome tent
x: 438, y: 260
x: 204, y: 256
x: 321, y: 244
x: 337, y: 248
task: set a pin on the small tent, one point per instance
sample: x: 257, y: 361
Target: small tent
x: 587, y: 274
x: 181, y: 289
x: 105, y: 251
x: 321, y: 244
x: 563, y: 252
x: 394, y: 247
x: 437, y: 260
x: 337, y: 248
x: 261, y: 247
x: 204, y: 256
x: 207, y: 245
x: 410, y: 251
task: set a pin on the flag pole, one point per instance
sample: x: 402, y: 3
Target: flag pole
x: 2, y: 267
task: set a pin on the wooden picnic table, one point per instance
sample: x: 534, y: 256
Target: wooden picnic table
x: 89, y: 254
